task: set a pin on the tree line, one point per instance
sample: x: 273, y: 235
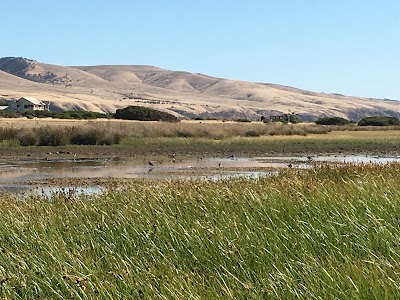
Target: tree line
x: 367, y: 121
x: 142, y: 113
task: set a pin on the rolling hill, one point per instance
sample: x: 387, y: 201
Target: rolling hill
x: 188, y: 95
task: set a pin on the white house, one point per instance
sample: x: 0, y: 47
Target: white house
x: 27, y: 103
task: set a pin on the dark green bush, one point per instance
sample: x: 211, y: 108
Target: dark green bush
x: 62, y: 116
x: 243, y: 120
x: 9, y: 114
x: 89, y: 115
x: 75, y: 115
x: 40, y: 113
x: 332, y: 121
x: 144, y: 114
x: 286, y: 118
x: 379, y: 121
x: 294, y: 119
x: 78, y: 114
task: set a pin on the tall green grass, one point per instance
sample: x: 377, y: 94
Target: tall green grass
x: 325, y: 233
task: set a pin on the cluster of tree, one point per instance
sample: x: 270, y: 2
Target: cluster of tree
x: 144, y: 114
x: 294, y: 118
x: 379, y: 121
x: 332, y: 121
x: 10, y: 114
x: 80, y: 114
x: 243, y: 121
x: 284, y: 118
x: 129, y: 113
x: 367, y: 121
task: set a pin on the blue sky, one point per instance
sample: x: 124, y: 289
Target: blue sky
x: 344, y: 46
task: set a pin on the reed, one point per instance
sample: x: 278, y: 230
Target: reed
x: 107, y: 132
x: 326, y: 233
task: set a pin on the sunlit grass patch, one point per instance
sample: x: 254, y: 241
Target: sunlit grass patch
x: 327, y: 232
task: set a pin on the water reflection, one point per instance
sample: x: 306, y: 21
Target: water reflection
x: 358, y: 159
x: 48, y: 191
x: 24, y: 171
x: 15, y: 174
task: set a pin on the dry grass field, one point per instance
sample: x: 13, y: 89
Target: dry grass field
x: 119, y: 138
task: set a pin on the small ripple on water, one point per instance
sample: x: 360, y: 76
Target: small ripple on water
x: 15, y: 174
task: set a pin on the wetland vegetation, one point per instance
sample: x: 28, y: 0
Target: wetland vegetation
x: 324, y: 233
x: 197, y: 137
x: 97, y: 131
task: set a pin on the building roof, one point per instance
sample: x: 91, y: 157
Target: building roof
x: 32, y: 100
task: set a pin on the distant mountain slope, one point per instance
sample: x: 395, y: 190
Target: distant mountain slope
x: 107, y: 88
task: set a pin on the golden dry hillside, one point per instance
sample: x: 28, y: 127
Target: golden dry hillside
x: 107, y: 88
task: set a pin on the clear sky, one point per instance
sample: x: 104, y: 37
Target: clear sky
x: 350, y: 47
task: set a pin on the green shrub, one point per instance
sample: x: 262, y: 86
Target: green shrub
x: 285, y: 118
x: 90, y: 115
x: 243, y: 121
x: 379, y: 121
x: 332, y: 121
x: 78, y: 114
x: 9, y: 114
x: 144, y: 114
x: 294, y: 119
x: 62, y: 116
x: 40, y: 113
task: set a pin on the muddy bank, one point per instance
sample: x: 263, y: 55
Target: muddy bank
x: 297, y: 146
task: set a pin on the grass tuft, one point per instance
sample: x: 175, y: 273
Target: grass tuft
x: 326, y: 233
